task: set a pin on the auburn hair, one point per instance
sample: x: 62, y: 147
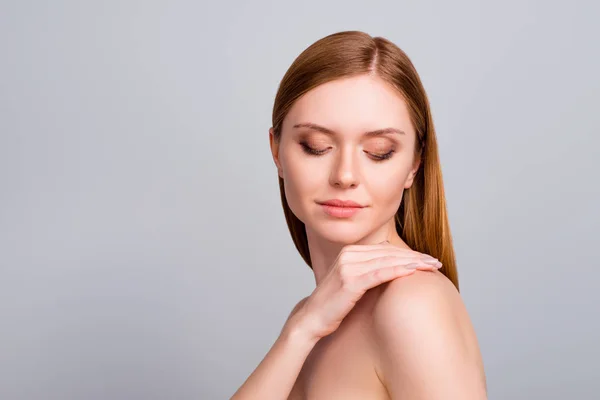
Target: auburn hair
x: 422, y: 218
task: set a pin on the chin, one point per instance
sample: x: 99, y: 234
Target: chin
x: 342, y: 232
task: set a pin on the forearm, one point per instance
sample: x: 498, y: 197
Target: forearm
x: 276, y: 374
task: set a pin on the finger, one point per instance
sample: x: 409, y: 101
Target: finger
x: 378, y: 246
x: 377, y: 253
x: 389, y: 260
x: 382, y: 275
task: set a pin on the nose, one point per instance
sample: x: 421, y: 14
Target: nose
x: 343, y: 173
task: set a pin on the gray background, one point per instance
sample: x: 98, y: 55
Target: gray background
x: 143, y: 249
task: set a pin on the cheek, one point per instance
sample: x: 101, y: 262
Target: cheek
x: 302, y: 175
x: 389, y: 193
x: 387, y: 186
x: 302, y: 182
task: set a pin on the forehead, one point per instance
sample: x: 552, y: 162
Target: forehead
x: 353, y: 105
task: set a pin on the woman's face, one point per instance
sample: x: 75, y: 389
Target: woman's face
x: 342, y: 161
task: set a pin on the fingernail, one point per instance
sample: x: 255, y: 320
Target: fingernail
x: 431, y: 261
x: 438, y: 265
x: 412, y: 266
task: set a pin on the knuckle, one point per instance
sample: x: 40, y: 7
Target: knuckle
x: 344, y: 272
x: 347, y: 282
x: 377, y: 274
x: 382, y: 261
x: 350, y: 247
x: 387, y: 258
x: 343, y: 268
x: 344, y: 257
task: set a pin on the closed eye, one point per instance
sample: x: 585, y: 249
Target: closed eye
x: 382, y: 157
x: 316, y: 152
x: 309, y: 150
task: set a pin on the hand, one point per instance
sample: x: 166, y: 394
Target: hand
x: 357, y: 269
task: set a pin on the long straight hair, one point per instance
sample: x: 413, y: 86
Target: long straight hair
x: 421, y: 219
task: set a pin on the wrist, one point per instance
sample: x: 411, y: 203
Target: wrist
x: 297, y: 331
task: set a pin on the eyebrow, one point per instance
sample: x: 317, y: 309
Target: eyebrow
x: 330, y: 132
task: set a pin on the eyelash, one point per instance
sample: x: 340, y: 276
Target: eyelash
x: 377, y: 158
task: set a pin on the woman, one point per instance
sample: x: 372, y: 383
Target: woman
x: 361, y: 187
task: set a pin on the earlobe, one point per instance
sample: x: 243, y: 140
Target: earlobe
x: 413, y: 173
x: 411, y: 178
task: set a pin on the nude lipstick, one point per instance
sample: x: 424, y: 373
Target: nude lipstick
x: 340, y: 208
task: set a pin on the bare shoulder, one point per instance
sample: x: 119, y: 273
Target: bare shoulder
x: 426, y: 345
x: 417, y: 292
x: 425, y: 301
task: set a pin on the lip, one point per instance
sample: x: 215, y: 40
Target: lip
x: 341, y: 203
x: 341, y: 208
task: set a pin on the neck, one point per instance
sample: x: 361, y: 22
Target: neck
x: 323, y: 252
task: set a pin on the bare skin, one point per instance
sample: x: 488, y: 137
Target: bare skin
x: 343, y: 364
x: 357, y: 269
x: 382, y: 322
x: 332, y: 370
x: 347, y: 363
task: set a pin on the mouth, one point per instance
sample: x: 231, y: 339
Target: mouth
x: 341, y: 208
x: 341, y: 203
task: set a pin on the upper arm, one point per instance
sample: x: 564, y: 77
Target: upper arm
x: 427, y: 346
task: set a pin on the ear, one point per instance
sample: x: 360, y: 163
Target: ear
x: 413, y: 172
x: 275, y: 151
